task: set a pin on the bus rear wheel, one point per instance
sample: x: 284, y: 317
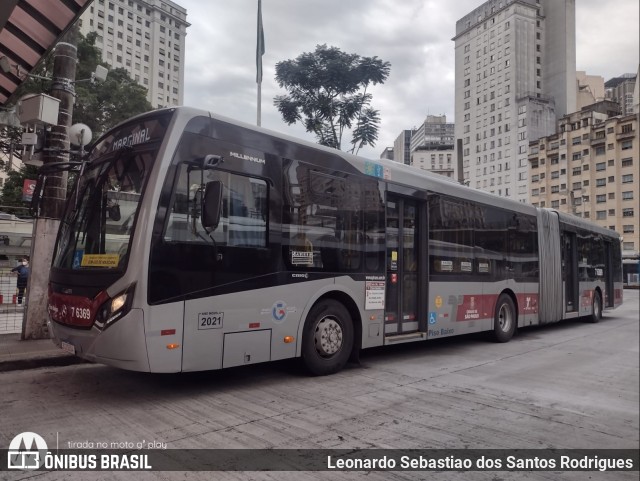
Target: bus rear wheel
x: 504, y: 324
x: 596, y: 308
x: 327, y: 338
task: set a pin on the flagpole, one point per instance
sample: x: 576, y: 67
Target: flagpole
x: 259, y: 104
x: 259, y: 54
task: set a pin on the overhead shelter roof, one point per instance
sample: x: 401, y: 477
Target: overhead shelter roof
x: 29, y: 29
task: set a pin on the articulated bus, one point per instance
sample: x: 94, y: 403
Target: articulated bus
x: 195, y: 242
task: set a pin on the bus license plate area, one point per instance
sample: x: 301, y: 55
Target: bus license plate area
x: 68, y: 347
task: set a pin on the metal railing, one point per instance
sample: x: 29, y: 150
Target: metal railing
x: 11, y: 311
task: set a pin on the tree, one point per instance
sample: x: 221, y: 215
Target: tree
x: 327, y: 91
x: 102, y: 105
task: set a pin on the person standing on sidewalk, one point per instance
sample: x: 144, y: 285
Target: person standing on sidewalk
x: 22, y: 270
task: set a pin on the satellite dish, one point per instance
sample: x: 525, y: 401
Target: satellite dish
x: 80, y: 134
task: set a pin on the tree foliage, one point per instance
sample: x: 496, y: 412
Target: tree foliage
x: 100, y: 105
x: 327, y: 92
x: 103, y: 105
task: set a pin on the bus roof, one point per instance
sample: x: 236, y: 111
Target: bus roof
x: 394, y: 172
x: 397, y: 173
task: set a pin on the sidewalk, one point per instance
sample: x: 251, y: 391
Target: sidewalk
x: 16, y: 354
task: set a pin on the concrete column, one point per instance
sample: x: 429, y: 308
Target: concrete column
x: 54, y: 192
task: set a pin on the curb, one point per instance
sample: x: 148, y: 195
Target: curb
x: 39, y: 362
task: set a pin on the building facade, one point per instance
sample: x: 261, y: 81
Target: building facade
x: 590, y: 89
x: 620, y: 89
x: 439, y: 159
x: 145, y: 37
x: 435, y: 130
x: 387, y: 153
x: 514, y: 77
x: 433, y: 147
x: 402, y: 147
x: 591, y: 168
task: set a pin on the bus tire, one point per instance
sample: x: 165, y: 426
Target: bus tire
x: 327, y: 339
x: 504, y: 324
x: 596, y: 308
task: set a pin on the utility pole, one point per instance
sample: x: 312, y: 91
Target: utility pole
x: 54, y: 191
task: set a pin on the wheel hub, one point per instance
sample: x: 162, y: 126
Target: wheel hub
x: 504, y: 318
x: 328, y: 337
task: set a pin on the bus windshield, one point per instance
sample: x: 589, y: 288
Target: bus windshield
x: 97, y: 228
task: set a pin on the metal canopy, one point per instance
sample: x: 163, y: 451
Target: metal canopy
x: 29, y: 29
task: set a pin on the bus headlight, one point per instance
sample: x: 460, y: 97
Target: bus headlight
x: 114, y: 308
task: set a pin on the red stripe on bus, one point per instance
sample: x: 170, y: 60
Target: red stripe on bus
x: 482, y: 306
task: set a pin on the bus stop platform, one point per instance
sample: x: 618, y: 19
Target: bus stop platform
x: 16, y: 354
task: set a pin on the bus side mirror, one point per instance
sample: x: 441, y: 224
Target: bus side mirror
x: 212, y: 205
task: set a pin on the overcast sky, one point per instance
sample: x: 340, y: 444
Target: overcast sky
x: 413, y: 35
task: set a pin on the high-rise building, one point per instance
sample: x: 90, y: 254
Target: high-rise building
x: 145, y: 37
x: 620, y: 89
x: 590, y: 168
x: 435, y: 130
x: 433, y: 147
x: 514, y: 77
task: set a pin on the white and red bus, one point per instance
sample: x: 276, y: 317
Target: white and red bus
x: 196, y: 242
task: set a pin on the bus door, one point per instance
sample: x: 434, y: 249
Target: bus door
x: 401, y: 304
x: 609, y: 297
x: 570, y: 271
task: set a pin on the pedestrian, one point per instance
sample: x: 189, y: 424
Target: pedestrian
x: 22, y: 270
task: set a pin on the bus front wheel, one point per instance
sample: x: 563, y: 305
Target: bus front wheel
x: 596, y: 308
x: 504, y: 324
x: 327, y: 338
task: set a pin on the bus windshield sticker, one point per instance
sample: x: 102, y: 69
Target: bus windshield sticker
x: 100, y: 260
x: 374, y: 294
x: 210, y: 320
x: 302, y: 258
x: 77, y: 258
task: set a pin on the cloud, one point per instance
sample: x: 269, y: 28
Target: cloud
x: 415, y: 36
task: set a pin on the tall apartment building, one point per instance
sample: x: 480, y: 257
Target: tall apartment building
x: 432, y: 146
x: 620, y: 89
x: 591, y: 168
x: 145, y: 37
x: 514, y: 77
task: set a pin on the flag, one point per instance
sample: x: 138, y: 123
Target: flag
x: 260, y: 45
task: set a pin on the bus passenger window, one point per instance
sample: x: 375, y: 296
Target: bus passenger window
x: 244, y: 214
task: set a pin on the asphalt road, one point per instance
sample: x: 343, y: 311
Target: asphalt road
x: 570, y: 385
